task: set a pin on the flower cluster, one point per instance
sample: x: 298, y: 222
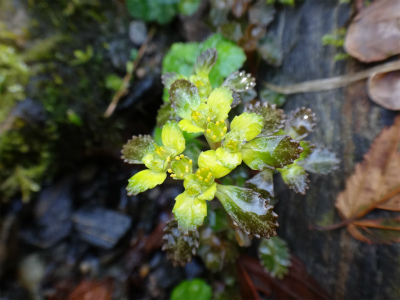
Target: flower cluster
x: 204, y: 110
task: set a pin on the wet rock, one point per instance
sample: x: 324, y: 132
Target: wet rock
x: 52, y: 215
x: 101, y: 227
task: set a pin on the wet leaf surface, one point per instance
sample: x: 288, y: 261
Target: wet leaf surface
x: 374, y: 34
x: 274, y: 256
x: 320, y: 161
x: 262, y: 183
x: 137, y: 148
x: 296, y: 178
x: 248, y: 210
x: 384, y: 89
x: 300, y: 123
x: 240, y: 81
x: 274, y: 118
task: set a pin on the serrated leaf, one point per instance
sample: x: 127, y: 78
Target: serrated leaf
x: 271, y: 152
x: 270, y: 51
x: 165, y: 114
x: 320, y: 161
x: 295, y: 177
x: 240, y: 81
x: 180, y: 248
x: 375, y: 182
x: 144, y: 180
x: 262, y: 183
x: 248, y: 210
x: 137, y: 148
x: 300, y: 123
x: 275, y: 256
x: 184, y: 98
x: 168, y: 79
x: 205, y: 62
x: 273, y: 118
x: 196, y: 289
x: 308, y: 148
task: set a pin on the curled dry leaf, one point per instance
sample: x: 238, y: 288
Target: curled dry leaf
x: 374, y: 34
x: 374, y: 184
x: 384, y: 89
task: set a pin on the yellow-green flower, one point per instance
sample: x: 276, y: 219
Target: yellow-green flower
x: 158, y: 159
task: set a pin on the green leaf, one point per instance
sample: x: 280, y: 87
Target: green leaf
x: 300, y: 123
x: 321, y: 161
x: 189, y: 211
x: 188, y: 126
x: 188, y: 7
x: 240, y: 81
x: 165, y: 113
x: 273, y: 118
x: 308, y: 148
x: 205, y: 62
x: 137, y: 148
x: 144, y: 180
x: 219, y: 103
x: 229, y: 159
x: 272, y: 97
x: 196, y: 289
x: 248, y: 125
x: 209, y: 159
x: 275, y: 256
x: 262, y: 183
x: 295, y: 177
x: 184, y: 98
x: 271, y: 152
x: 152, y: 10
x: 248, y: 210
x: 230, y: 58
x: 179, y: 247
x: 181, y: 58
x: 172, y: 138
x: 270, y: 51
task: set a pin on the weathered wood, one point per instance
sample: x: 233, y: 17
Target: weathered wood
x: 348, y: 122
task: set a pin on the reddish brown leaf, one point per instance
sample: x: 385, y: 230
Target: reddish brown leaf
x: 296, y: 285
x: 93, y: 290
x: 374, y: 34
x: 379, y: 231
x: 375, y: 181
x: 384, y: 89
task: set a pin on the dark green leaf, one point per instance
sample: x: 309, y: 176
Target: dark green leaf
x: 136, y: 148
x: 274, y: 256
x: 179, y: 247
x: 308, y: 148
x: 165, y: 113
x: 218, y: 219
x: 271, y: 152
x: 300, y: 123
x: 240, y: 81
x: 272, y: 97
x: 270, y: 51
x: 320, y: 161
x: 205, y: 62
x: 196, y: 289
x: 248, y: 210
x: 295, y: 178
x: 153, y: 10
x: 231, y: 31
x: 274, y: 119
x: 184, y: 98
x: 262, y: 183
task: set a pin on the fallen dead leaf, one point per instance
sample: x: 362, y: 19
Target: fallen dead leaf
x: 93, y: 290
x: 374, y: 184
x: 374, y: 34
x: 384, y: 89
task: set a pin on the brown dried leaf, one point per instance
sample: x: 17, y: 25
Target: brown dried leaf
x: 374, y: 34
x: 384, y: 89
x: 93, y: 290
x: 379, y: 231
x: 375, y: 181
